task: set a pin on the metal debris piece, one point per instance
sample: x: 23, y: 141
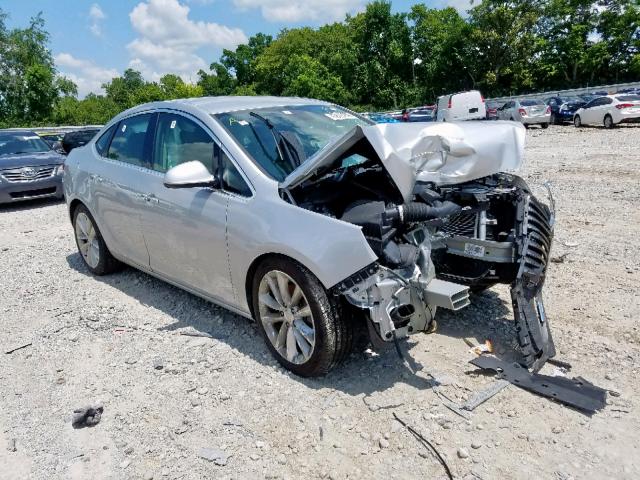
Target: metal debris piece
x: 575, y: 392
x: 18, y: 348
x: 484, y: 395
x: 87, y: 416
x: 450, y: 404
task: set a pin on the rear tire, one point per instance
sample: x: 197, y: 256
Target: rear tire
x: 330, y: 331
x: 577, y: 121
x: 91, y: 245
x: 608, y: 122
x: 544, y: 125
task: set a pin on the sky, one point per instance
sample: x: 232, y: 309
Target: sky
x: 93, y: 41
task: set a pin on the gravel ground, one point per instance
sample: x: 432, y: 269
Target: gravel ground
x: 184, y: 407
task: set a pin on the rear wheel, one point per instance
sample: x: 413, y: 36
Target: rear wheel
x: 544, y: 125
x: 577, y: 122
x: 302, y: 326
x: 608, y: 121
x: 91, y: 246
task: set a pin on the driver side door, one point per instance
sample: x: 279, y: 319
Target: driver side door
x: 185, y: 228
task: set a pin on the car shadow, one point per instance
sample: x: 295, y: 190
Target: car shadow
x: 30, y: 204
x: 362, y: 373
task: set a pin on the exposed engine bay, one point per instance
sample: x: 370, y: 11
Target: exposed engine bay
x: 436, y: 239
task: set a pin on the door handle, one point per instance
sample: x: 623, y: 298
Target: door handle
x: 151, y: 198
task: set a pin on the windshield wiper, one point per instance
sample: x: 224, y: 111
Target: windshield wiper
x: 289, y: 153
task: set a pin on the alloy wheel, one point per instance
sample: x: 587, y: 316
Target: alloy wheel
x: 87, y: 240
x: 286, y: 317
x: 608, y: 122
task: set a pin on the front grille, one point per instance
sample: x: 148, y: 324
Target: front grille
x: 462, y: 223
x: 538, y: 235
x: 28, y: 174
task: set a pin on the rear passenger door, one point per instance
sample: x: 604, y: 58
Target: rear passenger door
x: 117, y: 183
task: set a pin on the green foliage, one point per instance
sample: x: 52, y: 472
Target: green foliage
x: 376, y: 59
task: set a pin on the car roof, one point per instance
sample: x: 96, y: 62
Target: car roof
x: 214, y: 105
x: 20, y: 132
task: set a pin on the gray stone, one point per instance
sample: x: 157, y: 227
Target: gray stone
x: 158, y: 363
x: 476, y: 444
x: 463, y: 453
x: 11, y: 446
x: 215, y: 455
x: 384, y: 443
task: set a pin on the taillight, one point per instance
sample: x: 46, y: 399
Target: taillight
x: 522, y: 112
x: 548, y: 110
x: 449, y: 106
x: 620, y: 106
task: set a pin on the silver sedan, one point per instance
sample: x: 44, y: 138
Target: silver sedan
x: 304, y: 216
x: 526, y: 111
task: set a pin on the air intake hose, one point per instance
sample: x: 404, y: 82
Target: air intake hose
x: 419, y: 212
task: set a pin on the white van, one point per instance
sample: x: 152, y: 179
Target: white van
x: 461, y: 106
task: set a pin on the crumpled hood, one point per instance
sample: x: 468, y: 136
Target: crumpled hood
x: 443, y: 153
x: 30, y: 160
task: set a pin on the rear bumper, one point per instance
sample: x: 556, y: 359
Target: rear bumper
x: 11, y: 192
x: 537, y: 120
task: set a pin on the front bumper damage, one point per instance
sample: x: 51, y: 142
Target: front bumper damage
x: 404, y: 301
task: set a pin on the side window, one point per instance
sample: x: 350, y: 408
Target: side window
x: 128, y: 144
x: 179, y: 140
x: 231, y: 179
x: 102, y: 144
x: 606, y: 100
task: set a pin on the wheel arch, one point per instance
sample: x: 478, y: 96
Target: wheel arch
x: 253, y: 267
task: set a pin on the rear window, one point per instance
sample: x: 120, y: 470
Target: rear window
x: 628, y: 98
x: 530, y: 103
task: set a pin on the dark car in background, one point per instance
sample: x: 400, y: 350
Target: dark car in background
x: 78, y: 138
x: 563, y: 108
x: 29, y: 168
x: 422, y: 114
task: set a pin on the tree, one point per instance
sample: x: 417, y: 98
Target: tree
x: 29, y: 86
x: 382, y: 77
x: 219, y: 82
x: 307, y: 77
x: 441, y: 46
x: 505, y: 45
x: 241, y: 62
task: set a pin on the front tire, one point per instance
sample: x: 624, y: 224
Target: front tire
x: 302, y: 326
x: 91, y: 246
x: 577, y: 121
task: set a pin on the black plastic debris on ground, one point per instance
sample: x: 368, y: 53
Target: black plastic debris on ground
x: 86, y: 416
x: 575, y: 392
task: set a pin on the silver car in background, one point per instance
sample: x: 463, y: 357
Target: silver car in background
x: 310, y: 219
x: 526, y: 111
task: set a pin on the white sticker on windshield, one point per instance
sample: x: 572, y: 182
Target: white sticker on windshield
x: 287, y: 112
x: 335, y: 116
x: 244, y: 123
x: 173, y: 124
x: 32, y: 137
x: 124, y: 127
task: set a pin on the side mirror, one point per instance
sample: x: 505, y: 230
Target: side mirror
x: 189, y: 175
